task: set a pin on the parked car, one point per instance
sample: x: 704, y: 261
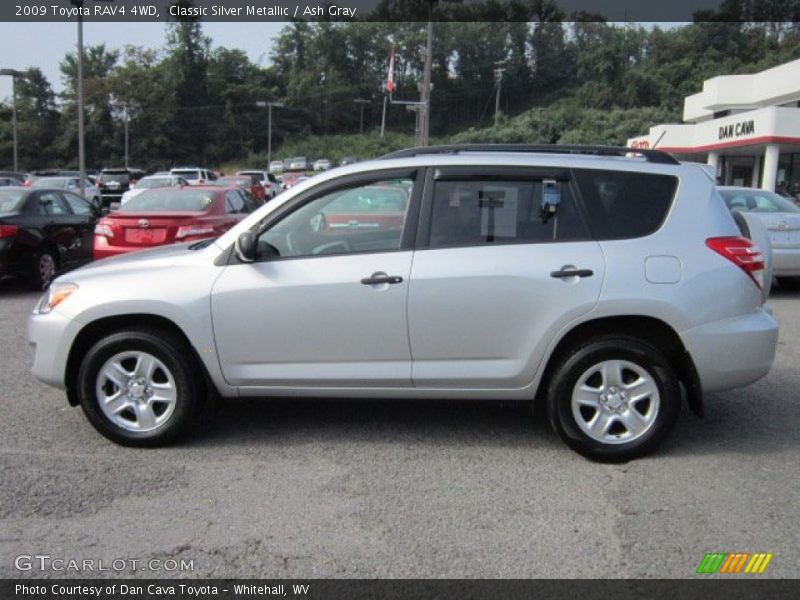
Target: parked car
x: 247, y: 183
x: 43, y: 232
x: 15, y: 175
x: 298, y: 163
x: 782, y: 219
x: 73, y: 184
x: 159, y: 180
x: 168, y: 215
x: 10, y: 181
x: 113, y: 183
x: 348, y: 160
x: 194, y: 175
x: 276, y: 166
x: 290, y: 179
x: 322, y: 164
x: 272, y: 186
x: 579, y: 277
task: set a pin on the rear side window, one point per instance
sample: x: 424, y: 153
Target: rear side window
x: 474, y: 213
x: 623, y: 204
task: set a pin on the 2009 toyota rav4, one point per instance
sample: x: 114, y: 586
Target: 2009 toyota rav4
x: 606, y: 285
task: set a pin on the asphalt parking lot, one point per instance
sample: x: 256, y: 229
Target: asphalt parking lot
x: 307, y: 488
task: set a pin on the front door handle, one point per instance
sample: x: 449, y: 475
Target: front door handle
x: 378, y: 278
x: 571, y: 272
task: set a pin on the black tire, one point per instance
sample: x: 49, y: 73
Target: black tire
x: 790, y: 284
x: 172, y: 352
x: 582, y: 360
x: 38, y: 276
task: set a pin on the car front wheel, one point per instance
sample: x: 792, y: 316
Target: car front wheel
x: 614, y: 399
x: 138, y: 387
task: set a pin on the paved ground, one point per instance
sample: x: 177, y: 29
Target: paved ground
x: 397, y: 489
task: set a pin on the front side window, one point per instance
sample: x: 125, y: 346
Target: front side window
x: 474, y: 213
x: 50, y: 203
x: 234, y: 202
x: 361, y: 218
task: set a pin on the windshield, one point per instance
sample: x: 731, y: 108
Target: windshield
x: 169, y: 200
x: 257, y: 174
x: 760, y: 201
x: 47, y: 182
x: 188, y: 175
x: 154, y: 182
x: 10, y: 200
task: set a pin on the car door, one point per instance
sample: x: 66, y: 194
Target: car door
x: 495, y: 276
x: 59, y: 226
x: 320, y: 307
x: 85, y: 217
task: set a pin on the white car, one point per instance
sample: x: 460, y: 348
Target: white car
x: 276, y: 166
x: 194, y: 175
x: 322, y: 164
x: 272, y: 187
x: 151, y: 182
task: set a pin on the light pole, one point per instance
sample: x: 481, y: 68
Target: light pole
x: 125, y: 106
x: 362, y: 102
x: 13, y: 74
x: 81, y: 147
x: 269, y: 105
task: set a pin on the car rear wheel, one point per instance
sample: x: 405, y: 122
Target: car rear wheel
x: 138, y: 387
x: 614, y: 399
x: 43, y: 269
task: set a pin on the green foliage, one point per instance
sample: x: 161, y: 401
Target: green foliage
x: 579, y: 81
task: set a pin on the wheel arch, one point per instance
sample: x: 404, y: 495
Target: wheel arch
x: 649, y: 329
x: 95, y: 330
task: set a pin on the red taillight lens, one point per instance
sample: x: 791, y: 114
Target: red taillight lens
x: 743, y: 253
x: 27, y: 183
x: 7, y: 231
x: 194, y: 231
x: 103, y: 229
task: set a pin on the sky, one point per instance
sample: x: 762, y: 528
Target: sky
x: 43, y: 45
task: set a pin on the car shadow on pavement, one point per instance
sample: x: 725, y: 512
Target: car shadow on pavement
x: 11, y: 287
x: 436, y: 422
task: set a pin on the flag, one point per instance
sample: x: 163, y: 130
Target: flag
x: 390, y: 78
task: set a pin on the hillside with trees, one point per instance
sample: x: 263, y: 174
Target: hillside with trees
x: 564, y: 81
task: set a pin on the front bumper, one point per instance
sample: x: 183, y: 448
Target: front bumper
x: 51, y: 336
x: 733, y: 352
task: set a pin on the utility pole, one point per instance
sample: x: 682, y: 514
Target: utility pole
x: 126, y: 136
x: 81, y: 146
x: 383, y: 115
x: 425, y: 92
x: 362, y: 102
x: 269, y: 106
x: 498, y: 78
x: 14, y: 74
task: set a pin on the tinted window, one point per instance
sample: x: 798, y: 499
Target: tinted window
x: 122, y: 178
x: 51, y: 203
x: 625, y: 204
x: 233, y: 202
x: 78, y: 205
x: 504, y: 212
x: 192, y: 175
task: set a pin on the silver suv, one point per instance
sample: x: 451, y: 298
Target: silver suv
x: 603, y: 284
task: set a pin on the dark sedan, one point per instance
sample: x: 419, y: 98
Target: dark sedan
x: 44, y: 231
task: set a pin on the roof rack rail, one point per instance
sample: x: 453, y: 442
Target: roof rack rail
x: 653, y: 156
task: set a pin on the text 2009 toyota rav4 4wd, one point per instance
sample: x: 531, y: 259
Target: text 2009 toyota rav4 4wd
x: 606, y: 285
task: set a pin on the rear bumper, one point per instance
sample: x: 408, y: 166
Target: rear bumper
x: 786, y: 262
x: 733, y: 352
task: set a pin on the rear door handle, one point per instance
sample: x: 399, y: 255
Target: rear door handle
x: 571, y: 272
x: 378, y: 278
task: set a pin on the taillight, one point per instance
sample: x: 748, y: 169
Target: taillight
x: 743, y: 253
x: 194, y: 230
x: 27, y: 183
x: 103, y: 229
x: 7, y: 231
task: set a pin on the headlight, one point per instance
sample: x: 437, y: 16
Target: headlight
x: 55, y: 295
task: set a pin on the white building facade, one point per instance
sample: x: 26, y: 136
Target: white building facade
x: 746, y: 126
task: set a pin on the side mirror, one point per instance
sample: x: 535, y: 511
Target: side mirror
x: 245, y: 247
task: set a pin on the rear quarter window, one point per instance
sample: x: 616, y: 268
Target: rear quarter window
x: 623, y: 204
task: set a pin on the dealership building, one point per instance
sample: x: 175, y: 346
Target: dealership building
x: 745, y: 126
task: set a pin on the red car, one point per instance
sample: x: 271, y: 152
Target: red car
x: 247, y: 183
x: 169, y: 215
